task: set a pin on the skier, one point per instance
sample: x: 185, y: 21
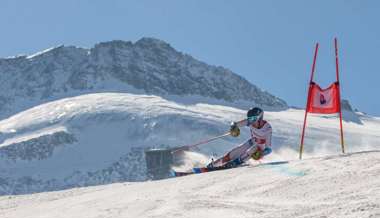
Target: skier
x: 256, y: 147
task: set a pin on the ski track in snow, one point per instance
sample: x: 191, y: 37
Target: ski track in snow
x: 333, y: 186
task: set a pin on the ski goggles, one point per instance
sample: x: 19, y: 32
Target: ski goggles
x: 253, y: 119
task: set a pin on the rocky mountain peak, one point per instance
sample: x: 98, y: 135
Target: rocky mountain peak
x: 149, y: 66
x: 345, y: 104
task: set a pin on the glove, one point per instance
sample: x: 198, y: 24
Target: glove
x: 234, y: 130
x: 257, y: 154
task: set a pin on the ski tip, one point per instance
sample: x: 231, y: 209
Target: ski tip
x: 200, y: 170
x: 196, y: 170
x: 177, y: 174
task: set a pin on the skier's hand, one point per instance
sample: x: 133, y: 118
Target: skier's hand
x: 257, y: 155
x: 234, y: 130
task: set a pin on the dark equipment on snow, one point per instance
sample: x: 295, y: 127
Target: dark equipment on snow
x: 160, y: 160
x: 158, y: 163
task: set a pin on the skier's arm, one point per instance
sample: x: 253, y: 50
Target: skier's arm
x: 242, y: 123
x: 234, y: 127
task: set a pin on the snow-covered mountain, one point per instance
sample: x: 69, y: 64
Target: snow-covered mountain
x: 149, y: 66
x: 99, y: 138
x: 73, y: 117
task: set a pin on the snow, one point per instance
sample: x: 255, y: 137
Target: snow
x: 332, y: 186
x: 106, y: 126
x: 42, y: 52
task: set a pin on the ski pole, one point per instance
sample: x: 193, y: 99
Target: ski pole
x: 186, y: 147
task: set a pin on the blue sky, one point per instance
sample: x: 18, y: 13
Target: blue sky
x: 268, y: 42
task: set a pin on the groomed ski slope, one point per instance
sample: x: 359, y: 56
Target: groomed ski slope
x: 332, y: 186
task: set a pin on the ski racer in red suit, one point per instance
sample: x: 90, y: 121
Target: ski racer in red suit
x: 256, y: 147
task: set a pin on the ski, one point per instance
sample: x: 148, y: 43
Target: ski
x: 197, y: 170
x: 177, y: 174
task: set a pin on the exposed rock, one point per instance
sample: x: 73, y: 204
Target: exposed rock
x: 149, y: 66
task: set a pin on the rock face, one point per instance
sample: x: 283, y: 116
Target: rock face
x: 346, y: 106
x: 37, y: 148
x: 149, y: 66
x: 348, y: 113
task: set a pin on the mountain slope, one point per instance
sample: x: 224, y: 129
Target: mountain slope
x: 149, y: 66
x: 334, y: 186
x: 99, y: 138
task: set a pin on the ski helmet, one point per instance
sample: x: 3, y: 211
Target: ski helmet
x: 255, y: 114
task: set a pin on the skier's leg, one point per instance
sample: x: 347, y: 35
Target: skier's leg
x: 250, y: 152
x: 260, y: 152
x: 233, y: 154
x: 242, y: 149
